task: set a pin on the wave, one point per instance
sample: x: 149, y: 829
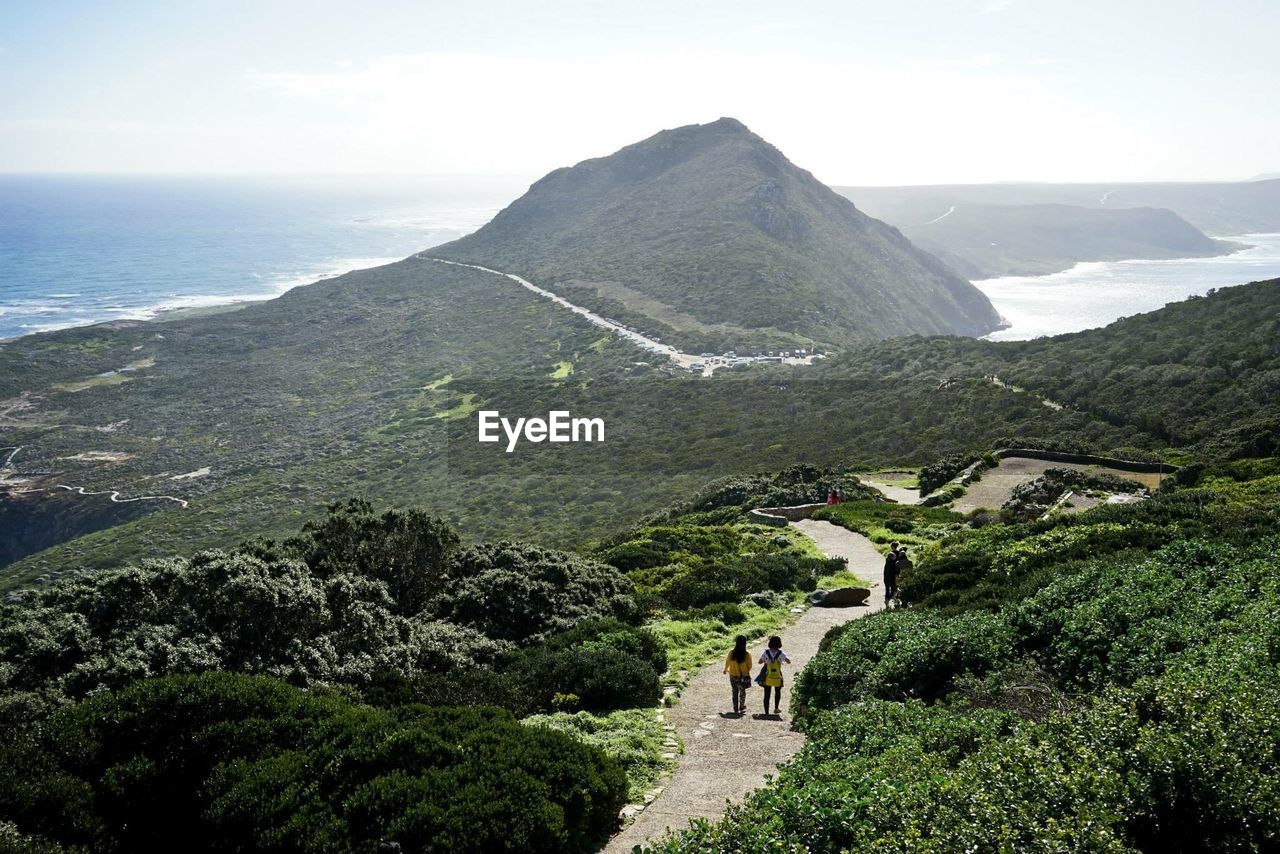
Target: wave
x: 64, y: 316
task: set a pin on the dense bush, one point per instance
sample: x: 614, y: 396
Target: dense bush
x: 406, y: 550
x: 217, y: 610
x: 513, y: 591
x: 225, y: 762
x: 941, y: 471
x: 703, y: 583
x: 602, y: 665
x: 885, y: 523
x: 688, y: 566
x: 795, y: 485
x: 999, y: 563
x: 1186, y: 762
x: 902, y: 656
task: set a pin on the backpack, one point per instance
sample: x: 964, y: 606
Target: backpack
x: 772, y: 667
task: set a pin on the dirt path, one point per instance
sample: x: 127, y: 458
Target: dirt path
x: 900, y: 494
x: 728, y: 756
x: 996, y: 485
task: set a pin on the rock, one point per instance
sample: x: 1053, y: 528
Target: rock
x: 841, y: 597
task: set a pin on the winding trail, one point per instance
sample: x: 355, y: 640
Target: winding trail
x: 115, y: 495
x: 727, y: 756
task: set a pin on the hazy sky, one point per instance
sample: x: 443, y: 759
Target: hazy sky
x: 878, y: 93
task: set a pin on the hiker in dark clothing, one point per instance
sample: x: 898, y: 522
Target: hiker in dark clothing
x: 901, y: 565
x: 891, y: 573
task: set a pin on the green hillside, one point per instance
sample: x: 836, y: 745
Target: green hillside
x: 981, y: 241
x: 708, y: 236
x: 390, y: 352
x: 1216, y: 208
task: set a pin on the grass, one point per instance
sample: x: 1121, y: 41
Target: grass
x: 439, y: 383
x: 883, y: 524
x: 562, y: 370
x: 633, y: 738
x: 114, y: 378
x: 897, y: 477
x: 464, y: 408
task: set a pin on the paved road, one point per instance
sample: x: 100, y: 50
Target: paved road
x: 727, y: 756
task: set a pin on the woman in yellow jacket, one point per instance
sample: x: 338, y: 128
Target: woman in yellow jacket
x: 738, y: 666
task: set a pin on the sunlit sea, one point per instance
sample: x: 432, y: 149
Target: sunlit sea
x: 76, y: 250
x: 1098, y: 292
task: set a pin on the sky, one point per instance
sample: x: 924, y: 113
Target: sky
x: 888, y: 92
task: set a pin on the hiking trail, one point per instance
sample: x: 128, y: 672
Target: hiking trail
x: 727, y: 756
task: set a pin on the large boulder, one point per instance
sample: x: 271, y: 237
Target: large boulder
x: 841, y: 597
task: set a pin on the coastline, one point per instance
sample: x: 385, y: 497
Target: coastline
x: 1093, y: 294
x: 1227, y: 245
x: 198, y: 305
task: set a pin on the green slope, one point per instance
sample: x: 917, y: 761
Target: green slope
x: 982, y: 241
x: 708, y: 234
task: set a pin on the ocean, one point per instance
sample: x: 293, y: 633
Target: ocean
x: 1096, y: 293
x: 76, y: 250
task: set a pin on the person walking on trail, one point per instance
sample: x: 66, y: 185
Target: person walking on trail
x: 891, y: 573
x: 900, y: 566
x: 738, y: 666
x: 770, y: 676
x: 831, y: 496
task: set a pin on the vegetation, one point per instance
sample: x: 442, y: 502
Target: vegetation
x: 1231, y: 207
x: 1107, y: 681
x: 399, y: 632
x: 884, y: 523
x: 942, y: 471
x: 631, y: 738
x: 361, y: 599
x: 709, y: 237
x: 982, y: 241
x: 228, y: 762
x: 1032, y: 499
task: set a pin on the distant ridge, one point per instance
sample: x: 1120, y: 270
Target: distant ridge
x: 708, y: 234
x: 980, y: 241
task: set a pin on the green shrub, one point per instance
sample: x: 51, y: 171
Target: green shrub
x: 940, y: 472
x: 222, y: 762
x: 902, y: 655
x: 513, y: 591
x: 601, y: 677
x: 1184, y: 762
x: 405, y: 549
x: 218, y: 610
x: 631, y: 738
x: 729, y: 613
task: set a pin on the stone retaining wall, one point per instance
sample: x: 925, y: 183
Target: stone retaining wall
x: 780, y: 516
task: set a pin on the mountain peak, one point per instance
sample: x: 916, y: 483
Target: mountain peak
x: 708, y: 235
